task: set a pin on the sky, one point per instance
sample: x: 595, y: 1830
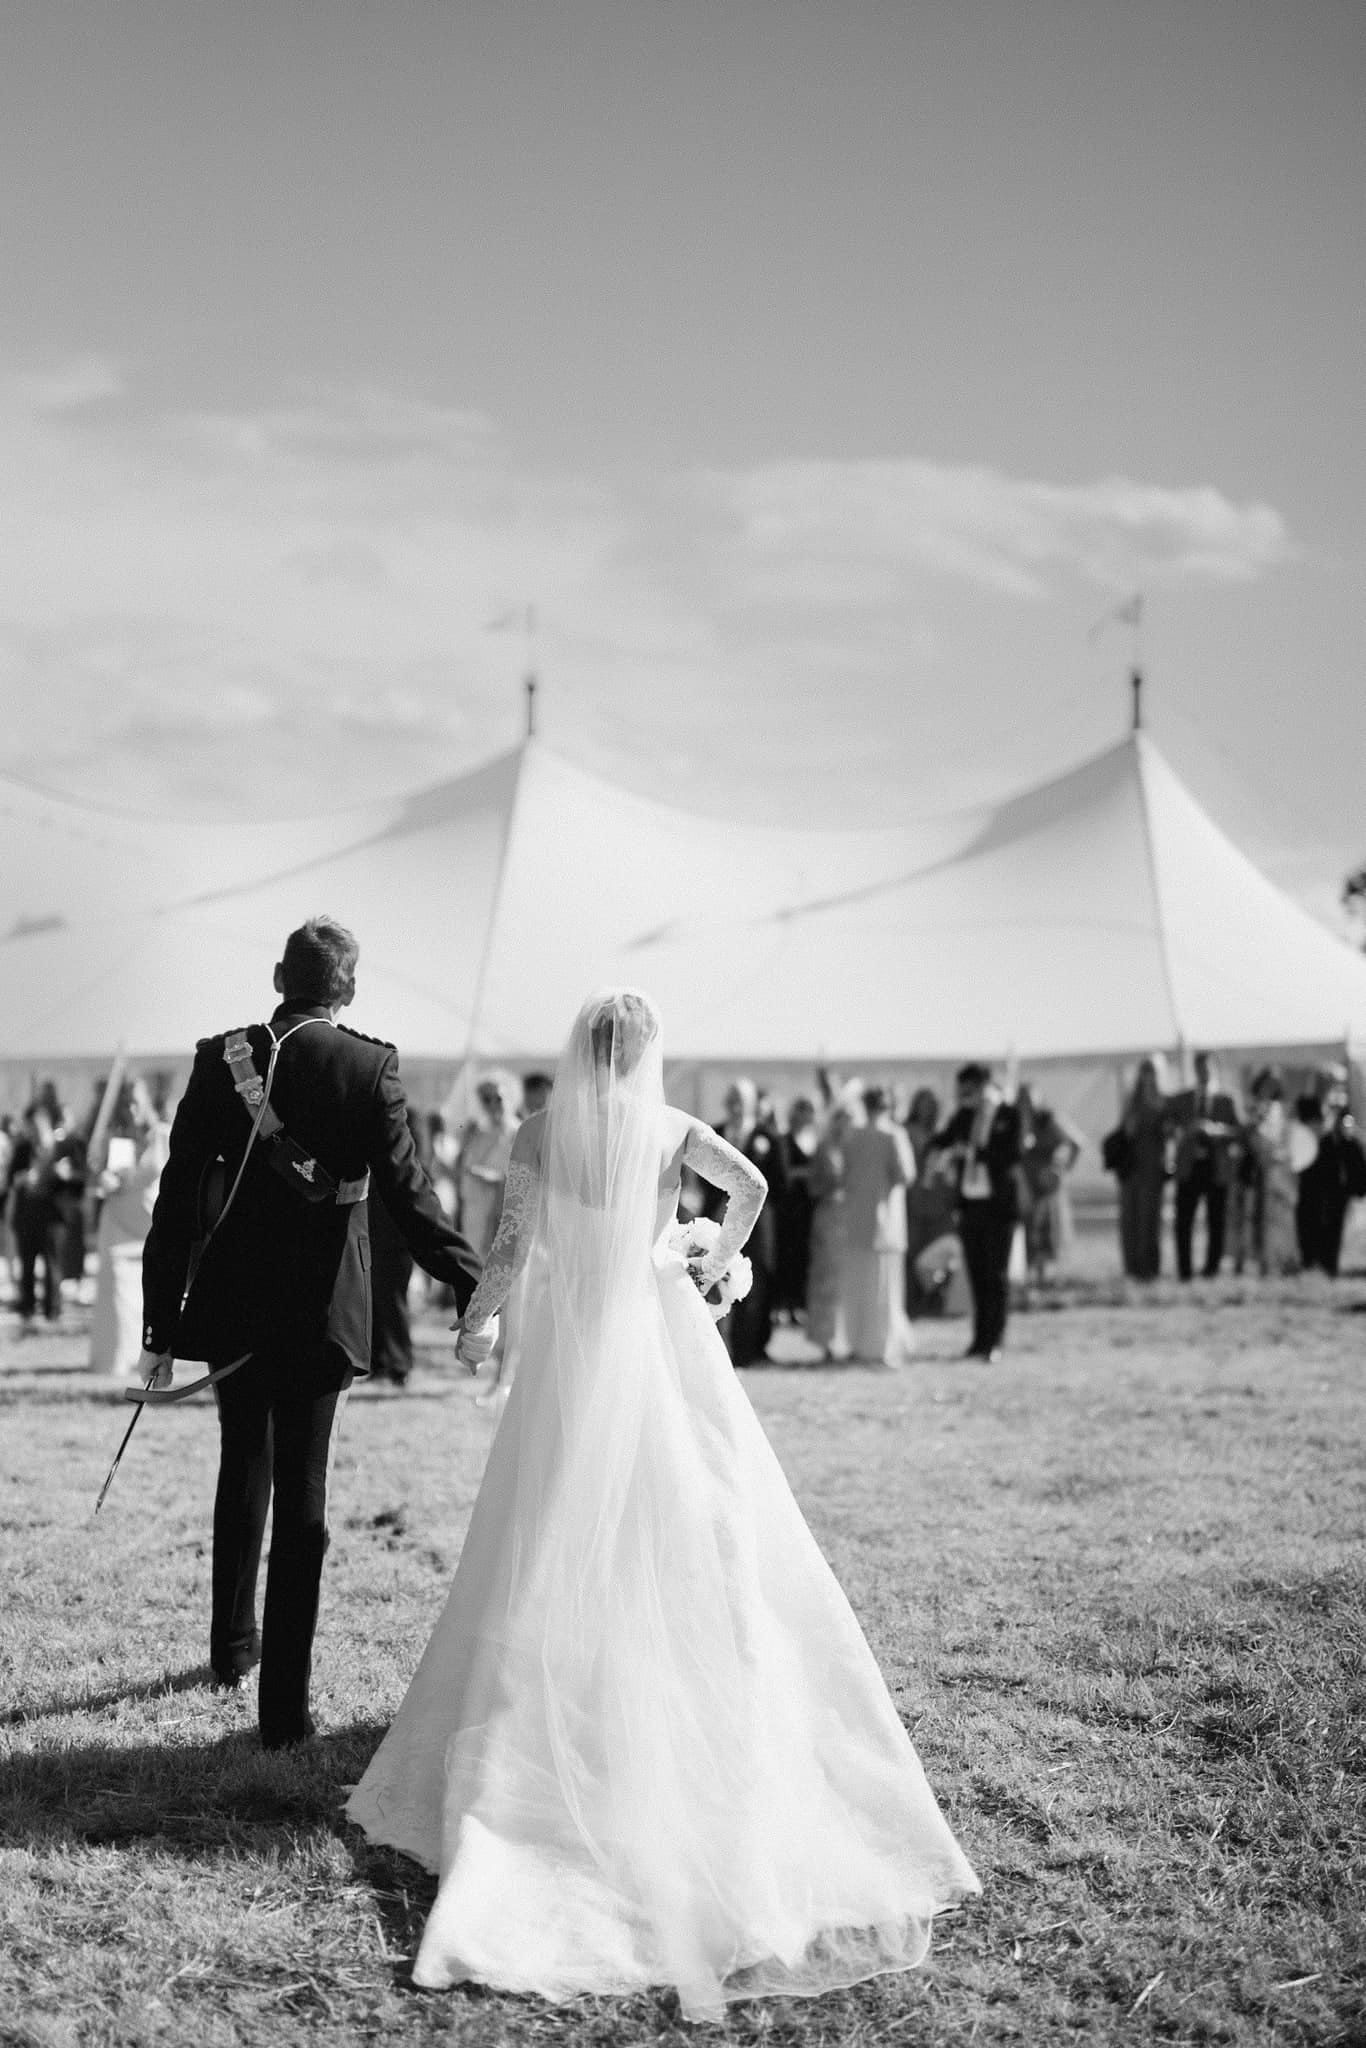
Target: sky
x: 820, y: 375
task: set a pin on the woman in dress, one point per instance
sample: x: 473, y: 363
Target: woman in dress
x: 877, y: 1166
x: 1050, y: 1147
x: 128, y: 1172
x: 481, y: 1172
x: 1276, y: 1186
x: 647, y: 1743
x: 1145, y: 1125
x: 485, y: 1149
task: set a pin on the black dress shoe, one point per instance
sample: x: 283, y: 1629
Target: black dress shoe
x: 230, y: 1675
x: 232, y: 1666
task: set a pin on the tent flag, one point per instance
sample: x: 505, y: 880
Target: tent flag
x: 1130, y: 613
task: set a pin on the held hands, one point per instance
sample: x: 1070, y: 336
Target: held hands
x: 473, y: 1347
x: 156, y: 1369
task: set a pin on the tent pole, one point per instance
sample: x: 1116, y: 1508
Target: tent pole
x: 1136, y: 685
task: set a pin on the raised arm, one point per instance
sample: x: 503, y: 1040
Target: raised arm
x: 745, y: 1188
x: 516, y: 1228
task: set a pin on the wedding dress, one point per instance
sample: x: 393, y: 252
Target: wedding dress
x: 647, y: 1743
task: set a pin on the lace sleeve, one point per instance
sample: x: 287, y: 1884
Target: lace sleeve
x: 511, y: 1244
x: 746, y: 1190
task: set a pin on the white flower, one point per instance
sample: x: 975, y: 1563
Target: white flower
x: 695, y: 1242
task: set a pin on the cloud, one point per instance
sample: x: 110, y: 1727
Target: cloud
x: 334, y: 425
x: 846, y: 531
x: 337, y: 556
x: 69, y: 384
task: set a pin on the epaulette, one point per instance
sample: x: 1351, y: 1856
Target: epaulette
x: 365, y: 1037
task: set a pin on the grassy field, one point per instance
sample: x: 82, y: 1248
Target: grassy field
x: 1116, y: 1586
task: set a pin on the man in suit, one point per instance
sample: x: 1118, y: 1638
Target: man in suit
x: 749, y: 1325
x: 1205, y: 1119
x: 982, y: 1143
x: 1334, y: 1177
x: 284, y: 1277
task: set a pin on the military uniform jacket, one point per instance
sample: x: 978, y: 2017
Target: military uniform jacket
x: 283, y: 1274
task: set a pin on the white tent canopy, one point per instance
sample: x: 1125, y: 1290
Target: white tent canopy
x: 1098, y: 914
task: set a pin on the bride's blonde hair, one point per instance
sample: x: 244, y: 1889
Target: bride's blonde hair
x: 622, y: 1024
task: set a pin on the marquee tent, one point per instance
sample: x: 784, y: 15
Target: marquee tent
x: 1092, y: 917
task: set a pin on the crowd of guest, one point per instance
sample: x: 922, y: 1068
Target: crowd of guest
x: 878, y: 1208
x: 882, y: 1208
x: 1272, y: 1179
x: 76, y: 1185
x: 45, y: 1171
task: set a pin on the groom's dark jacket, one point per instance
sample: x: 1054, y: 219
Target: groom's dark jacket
x: 284, y: 1274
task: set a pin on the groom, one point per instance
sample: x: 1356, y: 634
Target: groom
x: 285, y: 1277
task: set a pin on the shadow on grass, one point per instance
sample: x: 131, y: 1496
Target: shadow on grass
x: 196, y: 1798
x: 54, y: 1704
x: 68, y: 1386
x: 222, y: 1798
x: 226, y: 1800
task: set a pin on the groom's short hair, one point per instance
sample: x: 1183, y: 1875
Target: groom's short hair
x: 319, y: 962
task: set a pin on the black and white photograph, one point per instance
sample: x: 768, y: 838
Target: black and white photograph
x: 683, y: 1023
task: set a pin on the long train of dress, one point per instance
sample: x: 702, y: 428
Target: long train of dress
x: 647, y: 1743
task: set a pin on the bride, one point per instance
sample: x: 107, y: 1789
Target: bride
x: 647, y: 1743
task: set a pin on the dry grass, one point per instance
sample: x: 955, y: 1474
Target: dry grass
x: 1116, y: 1587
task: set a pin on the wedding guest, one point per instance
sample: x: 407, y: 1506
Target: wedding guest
x: 1334, y: 1177
x: 73, y: 1177
x: 930, y: 1212
x: 1050, y: 1147
x: 824, y: 1317
x: 485, y: 1149
x: 1141, y: 1169
x: 1274, y: 1184
x: 877, y: 1167
x: 6, y: 1154
x: 749, y: 1325
x: 1246, y: 1195
x: 126, y: 1169
x: 922, y: 1121
x: 1205, y: 1120
x: 982, y: 1140
x: 34, y: 1217
x: 440, y: 1155
x: 797, y: 1145
x: 535, y: 1093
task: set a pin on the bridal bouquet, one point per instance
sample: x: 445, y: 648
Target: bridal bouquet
x: 694, y: 1243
